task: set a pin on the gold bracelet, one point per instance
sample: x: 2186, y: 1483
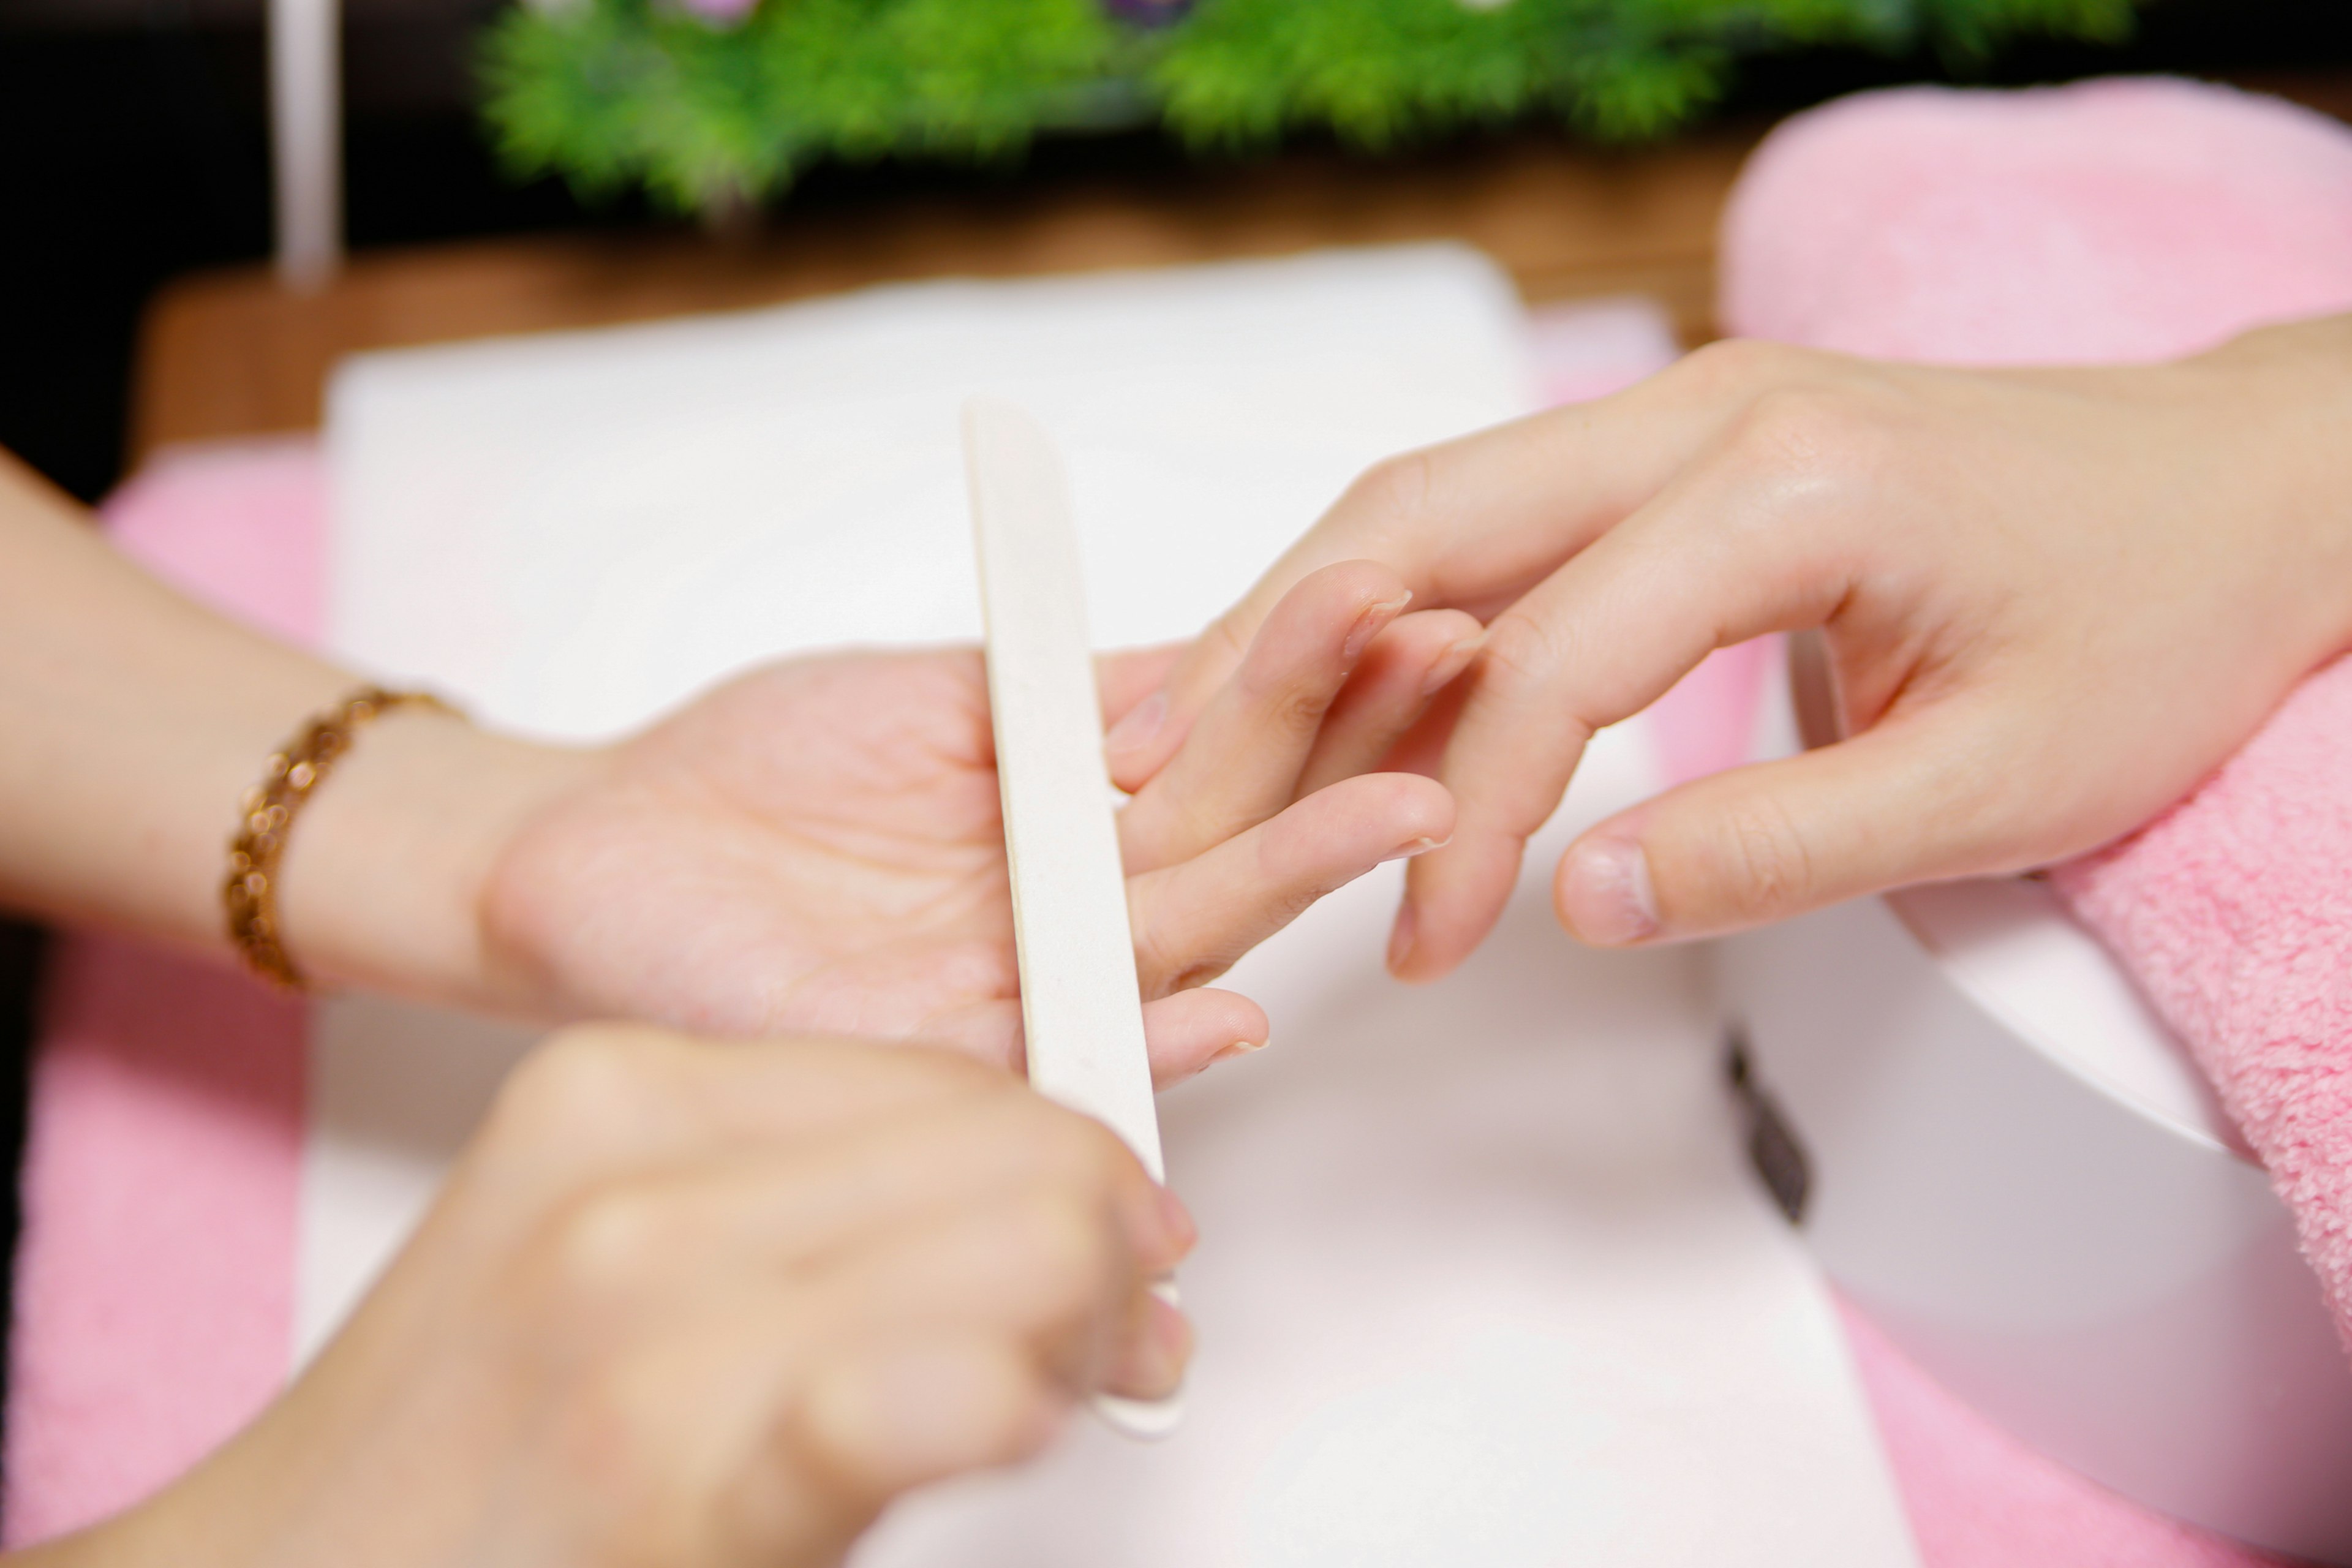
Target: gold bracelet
x: 249, y: 892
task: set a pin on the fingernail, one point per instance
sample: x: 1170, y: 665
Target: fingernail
x: 1238, y: 1049
x: 1450, y: 663
x: 1368, y: 627
x: 1140, y: 722
x: 1418, y: 847
x: 1178, y: 1220
x: 1607, y: 895
x: 1401, y: 938
x: 1167, y: 1347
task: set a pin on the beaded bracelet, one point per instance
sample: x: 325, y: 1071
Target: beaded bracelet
x: 249, y: 892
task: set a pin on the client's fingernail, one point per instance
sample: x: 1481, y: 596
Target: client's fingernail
x: 1450, y: 663
x: 1418, y: 847
x: 1238, y: 1049
x: 1368, y: 627
x: 1401, y: 938
x: 1606, y: 896
x: 1142, y: 722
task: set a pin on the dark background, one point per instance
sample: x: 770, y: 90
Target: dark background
x: 132, y: 149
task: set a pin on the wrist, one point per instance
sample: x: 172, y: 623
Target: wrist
x: 383, y: 879
x: 2290, y: 388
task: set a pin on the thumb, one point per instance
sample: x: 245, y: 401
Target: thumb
x: 1910, y: 801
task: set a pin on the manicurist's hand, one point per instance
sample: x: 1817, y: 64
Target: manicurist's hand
x: 706, y: 1306
x: 2051, y: 600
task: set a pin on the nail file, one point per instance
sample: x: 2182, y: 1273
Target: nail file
x: 1080, y: 1010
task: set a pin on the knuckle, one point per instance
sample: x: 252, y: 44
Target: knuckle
x: 1730, y: 366
x: 1231, y: 632
x: 1768, y: 867
x: 1296, y: 710
x: 1397, y: 492
x: 1155, y: 957
x: 1520, y: 651
x: 609, y: 1238
x: 1086, y: 1157
x: 1810, y: 432
x: 581, y: 1088
x: 1064, y: 1245
x: 1289, y: 703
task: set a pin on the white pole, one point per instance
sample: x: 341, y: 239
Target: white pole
x: 306, y: 139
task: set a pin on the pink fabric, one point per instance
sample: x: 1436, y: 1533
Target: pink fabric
x: 154, y: 1293
x: 2125, y: 219
x: 2234, y: 911
x: 154, y: 1286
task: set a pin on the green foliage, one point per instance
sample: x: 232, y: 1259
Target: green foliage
x: 612, y: 93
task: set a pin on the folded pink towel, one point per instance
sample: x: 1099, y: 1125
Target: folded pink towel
x: 2122, y: 220
x: 2234, y: 911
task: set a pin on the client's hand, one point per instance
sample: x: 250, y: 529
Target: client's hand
x: 818, y: 846
x: 2052, y: 601
x: 705, y: 1307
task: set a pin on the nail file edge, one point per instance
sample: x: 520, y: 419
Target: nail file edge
x: 1080, y: 1011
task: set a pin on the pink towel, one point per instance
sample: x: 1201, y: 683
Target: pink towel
x: 2122, y: 220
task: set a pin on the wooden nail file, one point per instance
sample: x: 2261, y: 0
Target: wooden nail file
x: 1080, y: 1008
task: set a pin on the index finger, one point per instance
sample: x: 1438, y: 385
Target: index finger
x: 1473, y: 522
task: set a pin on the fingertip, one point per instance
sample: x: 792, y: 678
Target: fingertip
x: 1412, y: 958
x: 1358, y: 599
x: 1361, y: 580
x: 1137, y: 729
x: 1124, y: 677
x: 1454, y: 657
x: 1401, y: 941
x: 1422, y: 811
x: 1158, y: 1354
x: 1454, y: 896
x: 1191, y: 1029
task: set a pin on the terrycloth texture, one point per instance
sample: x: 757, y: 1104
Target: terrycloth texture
x: 2234, y: 911
x: 155, y: 1276
x: 2122, y: 220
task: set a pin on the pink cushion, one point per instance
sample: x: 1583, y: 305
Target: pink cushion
x: 2127, y: 219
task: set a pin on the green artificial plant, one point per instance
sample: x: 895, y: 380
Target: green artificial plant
x: 712, y: 104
